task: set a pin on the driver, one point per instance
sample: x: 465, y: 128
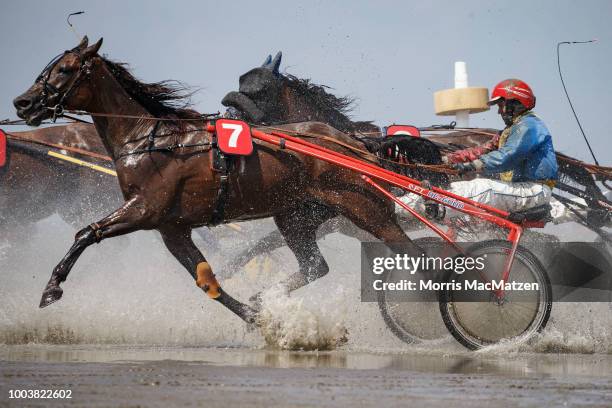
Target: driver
x: 522, y: 156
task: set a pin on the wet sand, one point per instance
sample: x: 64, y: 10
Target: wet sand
x: 101, y: 376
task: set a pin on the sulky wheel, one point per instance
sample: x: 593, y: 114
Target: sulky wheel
x: 413, y: 321
x: 481, y: 319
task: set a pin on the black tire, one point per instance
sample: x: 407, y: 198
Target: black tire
x: 475, y: 333
x: 398, y: 320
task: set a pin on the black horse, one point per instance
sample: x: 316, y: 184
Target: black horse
x: 266, y: 96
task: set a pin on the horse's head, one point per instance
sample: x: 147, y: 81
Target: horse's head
x: 259, y: 92
x: 58, y: 86
x: 267, y: 96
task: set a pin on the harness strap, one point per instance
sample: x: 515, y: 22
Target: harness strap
x: 151, y: 137
x: 222, y: 194
x: 220, y: 163
x: 95, y: 227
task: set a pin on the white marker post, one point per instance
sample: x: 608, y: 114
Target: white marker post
x: 462, y: 117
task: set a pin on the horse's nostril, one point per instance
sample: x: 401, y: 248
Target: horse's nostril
x: 22, y: 103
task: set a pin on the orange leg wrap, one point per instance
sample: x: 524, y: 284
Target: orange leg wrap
x: 206, y: 280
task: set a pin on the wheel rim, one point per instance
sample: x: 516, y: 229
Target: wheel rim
x: 413, y: 320
x: 404, y: 316
x: 488, y: 321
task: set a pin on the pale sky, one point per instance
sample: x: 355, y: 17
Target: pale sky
x: 391, y: 56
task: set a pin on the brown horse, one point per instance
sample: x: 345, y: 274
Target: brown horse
x: 35, y: 185
x: 171, y: 186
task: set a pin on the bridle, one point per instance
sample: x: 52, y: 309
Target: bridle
x: 50, y: 91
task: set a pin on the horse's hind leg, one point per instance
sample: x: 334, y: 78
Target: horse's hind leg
x: 368, y: 211
x: 179, y: 243
x: 299, y: 228
x: 267, y: 244
x: 275, y: 240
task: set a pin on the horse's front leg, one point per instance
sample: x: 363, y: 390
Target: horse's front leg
x: 178, y: 241
x: 128, y: 218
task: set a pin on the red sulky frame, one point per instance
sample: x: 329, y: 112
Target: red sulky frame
x: 370, y: 171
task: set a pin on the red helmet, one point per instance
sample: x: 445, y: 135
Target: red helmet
x: 513, y: 89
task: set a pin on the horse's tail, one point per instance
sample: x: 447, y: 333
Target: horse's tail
x: 413, y: 149
x: 365, y: 127
x: 398, y: 152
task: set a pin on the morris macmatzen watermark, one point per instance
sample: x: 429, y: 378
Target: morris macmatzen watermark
x: 575, y: 271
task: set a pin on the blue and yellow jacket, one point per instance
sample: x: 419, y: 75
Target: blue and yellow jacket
x: 525, y: 152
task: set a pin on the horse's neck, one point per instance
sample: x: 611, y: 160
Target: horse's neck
x: 111, y: 99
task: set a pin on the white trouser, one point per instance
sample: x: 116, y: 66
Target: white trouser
x: 507, y: 196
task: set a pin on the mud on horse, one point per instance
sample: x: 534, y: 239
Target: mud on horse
x: 170, y: 186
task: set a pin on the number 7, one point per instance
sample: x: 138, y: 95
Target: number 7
x: 236, y: 131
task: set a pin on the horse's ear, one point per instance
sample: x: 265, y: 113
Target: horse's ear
x: 93, y: 50
x: 276, y: 62
x: 83, y: 44
x: 267, y: 61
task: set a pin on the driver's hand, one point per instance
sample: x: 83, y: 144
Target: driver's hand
x: 468, y: 167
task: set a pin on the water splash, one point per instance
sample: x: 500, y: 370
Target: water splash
x: 133, y: 292
x: 574, y: 328
x: 289, y: 323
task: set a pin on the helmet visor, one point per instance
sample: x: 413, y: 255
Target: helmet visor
x: 495, y: 100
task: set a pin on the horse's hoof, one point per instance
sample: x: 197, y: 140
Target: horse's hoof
x: 251, y: 318
x: 256, y: 302
x: 51, y: 295
x: 252, y: 327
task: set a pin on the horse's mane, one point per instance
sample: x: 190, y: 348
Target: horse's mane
x: 164, y: 99
x: 321, y: 99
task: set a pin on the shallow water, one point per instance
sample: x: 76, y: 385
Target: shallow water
x: 519, y: 365
x: 132, y: 328
x: 147, y: 376
x: 128, y: 291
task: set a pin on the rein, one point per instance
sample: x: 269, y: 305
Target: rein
x: 439, y: 168
x: 602, y: 171
x: 202, y: 117
x: 166, y: 149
